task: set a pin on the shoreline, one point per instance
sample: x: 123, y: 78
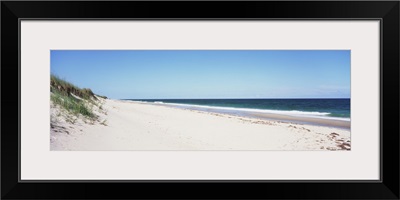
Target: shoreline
x: 310, y: 120
x: 141, y: 126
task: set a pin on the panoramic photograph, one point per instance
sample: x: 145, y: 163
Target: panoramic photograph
x: 135, y: 100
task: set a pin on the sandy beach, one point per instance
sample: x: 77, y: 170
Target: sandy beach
x: 127, y: 125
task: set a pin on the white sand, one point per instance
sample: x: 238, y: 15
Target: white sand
x: 140, y: 126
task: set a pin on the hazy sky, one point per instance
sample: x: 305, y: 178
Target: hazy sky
x: 141, y: 74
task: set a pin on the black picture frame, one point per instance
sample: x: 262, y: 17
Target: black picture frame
x: 385, y: 11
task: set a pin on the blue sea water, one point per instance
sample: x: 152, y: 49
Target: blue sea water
x: 329, y: 108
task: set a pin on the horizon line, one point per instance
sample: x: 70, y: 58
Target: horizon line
x: 234, y: 98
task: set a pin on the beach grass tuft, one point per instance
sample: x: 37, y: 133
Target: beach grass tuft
x: 104, y: 97
x: 71, y: 104
x: 104, y: 122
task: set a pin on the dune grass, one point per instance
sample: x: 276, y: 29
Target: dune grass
x: 65, y: 88
x: 62, y: 91
x: 72, y: 104
x: 104, y: 97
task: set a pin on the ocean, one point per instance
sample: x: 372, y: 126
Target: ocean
x: 319, y: 108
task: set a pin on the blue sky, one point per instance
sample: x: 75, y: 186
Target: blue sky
x: 158, y: 74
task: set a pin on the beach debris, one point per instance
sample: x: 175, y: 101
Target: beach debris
x: 331, y: 148
x: 302, y: 128
x: 344, y: 146
x: 333, y: 136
